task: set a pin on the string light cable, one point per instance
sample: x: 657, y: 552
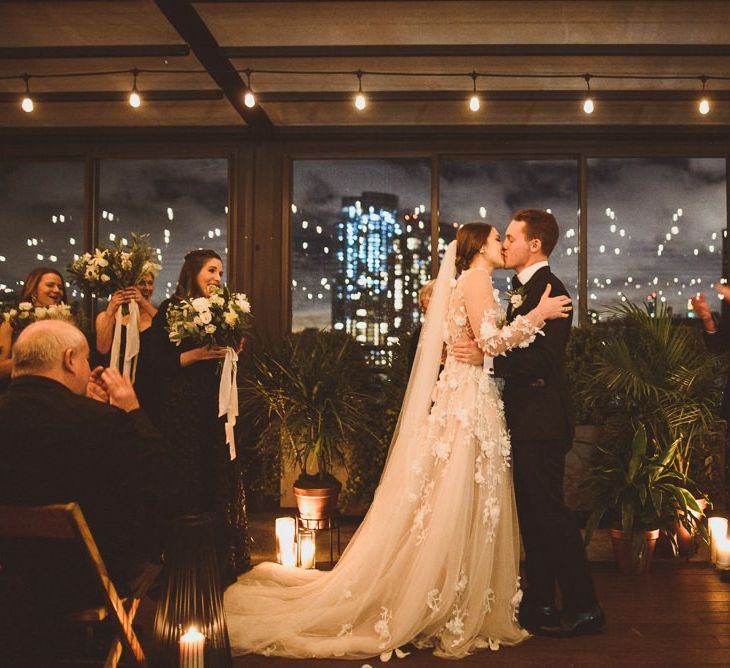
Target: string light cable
x: 360, y: 99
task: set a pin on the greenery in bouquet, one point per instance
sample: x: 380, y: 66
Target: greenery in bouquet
x: 25, y: 314
x: 220, y: 319
x: 113, y: 268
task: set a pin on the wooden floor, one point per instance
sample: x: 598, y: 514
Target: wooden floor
x: 679, y: 615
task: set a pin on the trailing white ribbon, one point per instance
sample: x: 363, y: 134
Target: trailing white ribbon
x: 131, y: 349
x: 228, y: 397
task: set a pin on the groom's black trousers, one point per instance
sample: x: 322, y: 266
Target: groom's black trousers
x: 552, y: 541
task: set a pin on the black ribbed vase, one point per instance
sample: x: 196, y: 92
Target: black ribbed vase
x: 191, y: 595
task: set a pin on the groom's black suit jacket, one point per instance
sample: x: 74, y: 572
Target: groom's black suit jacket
x: 536, y: 400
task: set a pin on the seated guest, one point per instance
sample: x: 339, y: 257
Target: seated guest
x: 42, y: 287
x: 59, y: 445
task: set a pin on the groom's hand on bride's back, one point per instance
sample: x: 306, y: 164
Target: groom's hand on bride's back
x: 468, y: 352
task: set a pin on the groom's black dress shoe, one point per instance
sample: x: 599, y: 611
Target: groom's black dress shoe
x: 533, y: 617
x: 576, y: 624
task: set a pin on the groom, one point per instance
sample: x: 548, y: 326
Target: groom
x: 540, y: 423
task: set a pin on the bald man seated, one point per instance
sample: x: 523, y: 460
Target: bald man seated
x: 58, y: 444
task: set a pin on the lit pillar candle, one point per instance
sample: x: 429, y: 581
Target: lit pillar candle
x: 289, y: 555
x: 285, y: 529
x: 718, y: 530
x: 192, y: 644
x: 307, y: 548
x: 723, y: 554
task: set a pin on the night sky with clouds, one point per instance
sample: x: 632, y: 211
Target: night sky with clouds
x: 639, y: 196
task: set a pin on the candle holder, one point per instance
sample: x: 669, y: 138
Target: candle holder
x: 191, y: 596
x: 285, y: 544
x: 718, y: 532
x: 307, y: 548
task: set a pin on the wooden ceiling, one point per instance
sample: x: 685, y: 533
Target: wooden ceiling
x: 200, y: 51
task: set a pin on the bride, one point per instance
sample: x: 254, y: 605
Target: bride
x: 435, y: 560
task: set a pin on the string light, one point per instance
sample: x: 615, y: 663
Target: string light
x: 249, y: 98
x: 588, y: 105
x: 27, y: 103
x: 360, y: 101
x: 704, y: 104
x: 474, y: 103
x: 134, y: 98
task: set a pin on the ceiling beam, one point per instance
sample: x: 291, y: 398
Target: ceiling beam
x: 485, y: 50
x: 190, y: 26
x: 115, y: 51
x: 118, y: 96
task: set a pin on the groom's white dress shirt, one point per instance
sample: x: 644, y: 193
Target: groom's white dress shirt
x: 528, y: 272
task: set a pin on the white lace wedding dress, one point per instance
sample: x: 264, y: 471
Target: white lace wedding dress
x: 435, y: 561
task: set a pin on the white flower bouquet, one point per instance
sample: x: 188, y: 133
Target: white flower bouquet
x: 19, y: 318
x: 119, y: 266
x: 217, y: 320
x: 220, y: 319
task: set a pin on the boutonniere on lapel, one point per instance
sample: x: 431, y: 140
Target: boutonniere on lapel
x: 517, y: 296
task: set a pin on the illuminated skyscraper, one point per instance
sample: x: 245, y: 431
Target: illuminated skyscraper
x: 383, y: 258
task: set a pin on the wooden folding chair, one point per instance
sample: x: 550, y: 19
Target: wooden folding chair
x: 67, y: 523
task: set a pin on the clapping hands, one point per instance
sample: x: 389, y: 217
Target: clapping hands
x: 109, y: 386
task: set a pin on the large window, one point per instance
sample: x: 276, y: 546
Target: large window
x: 360, y: 248
x: 181, y: 204
x: 41, y: 219
x: 492, y: 190
x: 656, y: 230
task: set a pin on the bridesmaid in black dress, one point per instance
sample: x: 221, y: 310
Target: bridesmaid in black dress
x: 187, y: 413
x: 105, y: 320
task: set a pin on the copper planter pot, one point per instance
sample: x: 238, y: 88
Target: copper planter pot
x: 317, y: 503
x: 622, y: 551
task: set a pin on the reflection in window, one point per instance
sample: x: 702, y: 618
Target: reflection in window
x: 656, y: 229
x: 493, y: 190
x: 41, y: 219
x: 181, y: 204
x: 360, y: 248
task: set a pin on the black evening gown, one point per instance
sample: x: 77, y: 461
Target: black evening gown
x: 184, y: 405
x: 144, y: 384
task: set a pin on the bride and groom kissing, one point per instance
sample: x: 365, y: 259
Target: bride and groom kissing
x: 435, y: 562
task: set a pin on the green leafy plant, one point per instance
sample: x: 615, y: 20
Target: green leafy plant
x: 584, y: 346
x: 642, y: 491
x: 310, y: 397
x: 658, y: 373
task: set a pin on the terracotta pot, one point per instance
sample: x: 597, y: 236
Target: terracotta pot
x: 622, y: 551
x: 686, y: 541
x: 317, y: 503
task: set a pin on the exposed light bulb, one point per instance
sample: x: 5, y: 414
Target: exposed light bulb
x: 249, y: 99
x: 134, y: 99
x: 27, y: 102
x: 360, y: 102
x: 704, y: 106
x: 588, y: 105
x: 474, y: 103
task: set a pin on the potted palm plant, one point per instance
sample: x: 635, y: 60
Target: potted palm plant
x: 310, y: 397
x: 642, y: 492
x: 656, y: 372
